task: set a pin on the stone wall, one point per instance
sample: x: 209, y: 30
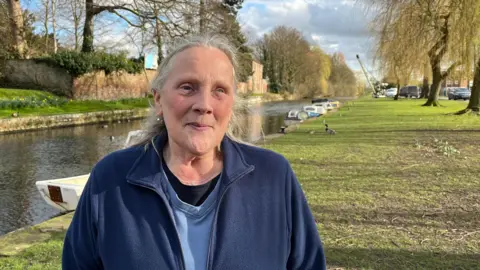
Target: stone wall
x: 117, y: 85
x: 10, y: 125
x: 32, y: 75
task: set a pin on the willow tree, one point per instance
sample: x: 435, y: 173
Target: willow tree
x: 313, y: 76
x: 438, y: 27
x: 470, y: 9
x: 393, y: 36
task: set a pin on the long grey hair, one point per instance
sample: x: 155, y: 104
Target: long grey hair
x: 155, y: 125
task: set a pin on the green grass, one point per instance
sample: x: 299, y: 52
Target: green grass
x: 36, y: 247
x: 387, y: 191
x: 383, y: 191
x: 6, y: 93
x: 72, y: 106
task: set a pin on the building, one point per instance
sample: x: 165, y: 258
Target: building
x: 255, y: 83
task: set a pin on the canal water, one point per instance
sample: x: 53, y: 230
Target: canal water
x: 56, y: 153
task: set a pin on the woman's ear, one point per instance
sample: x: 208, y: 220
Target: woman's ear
x: 156, y: 98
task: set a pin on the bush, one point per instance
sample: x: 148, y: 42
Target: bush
x: 31, y: 102
x: 77, y: 63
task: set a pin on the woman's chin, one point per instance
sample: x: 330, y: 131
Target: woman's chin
x: 200, y: 147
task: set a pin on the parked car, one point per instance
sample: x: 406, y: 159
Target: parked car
x: 319, y: 100
x: 410, y: 91
x: 391, y: 92
x: 450, y: 93
x: 460, y: 93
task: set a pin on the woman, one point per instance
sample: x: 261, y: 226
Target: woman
x: 190, y: 195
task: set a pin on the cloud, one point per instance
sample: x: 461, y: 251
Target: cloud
x: 335, y: 25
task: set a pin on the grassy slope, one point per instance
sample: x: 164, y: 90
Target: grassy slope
x: 6, y: 93
x: 383, y: 196
x: 71, y: 107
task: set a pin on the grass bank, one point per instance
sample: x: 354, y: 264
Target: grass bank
x: 387, y: 190
x: 71, y: 106
x: 398, y: 186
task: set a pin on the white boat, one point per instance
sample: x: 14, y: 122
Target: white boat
x: 325, y: 105
x: 296, y: 115
x: 64, y: 193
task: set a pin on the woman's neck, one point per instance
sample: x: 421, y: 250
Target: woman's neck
x: 190, y: 169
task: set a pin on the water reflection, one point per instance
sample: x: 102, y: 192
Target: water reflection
x: 56, y: 153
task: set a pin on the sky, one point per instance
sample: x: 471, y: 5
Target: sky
x: 334, y: 25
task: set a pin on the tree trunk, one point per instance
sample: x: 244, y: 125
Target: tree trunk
x: 202, y: 16
x: 436, y: 81
x: 74, y: 4
x: 425, y: 88
x: 87, y: 45
x: 398, y: 90
x: 45, y: 24
x: 158, y: 35
x: 16, y: 26
x: 54, y: 26
x: 474, y: 103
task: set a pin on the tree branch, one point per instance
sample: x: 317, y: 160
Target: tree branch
x: 450, y: 69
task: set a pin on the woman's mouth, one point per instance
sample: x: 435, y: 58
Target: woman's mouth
x: 198, y: 126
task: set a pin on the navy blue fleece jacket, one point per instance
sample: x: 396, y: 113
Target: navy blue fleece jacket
x: 262, y: 220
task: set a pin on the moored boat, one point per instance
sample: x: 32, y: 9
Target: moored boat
x: 64, y: 193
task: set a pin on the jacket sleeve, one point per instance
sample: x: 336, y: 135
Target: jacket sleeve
x: 306, y: 250
x: 80, y: 250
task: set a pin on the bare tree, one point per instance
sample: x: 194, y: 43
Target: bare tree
x: 135, y: 13
x: 284, y: 53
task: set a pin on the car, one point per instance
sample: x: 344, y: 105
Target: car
x: 460, y: 93
x: 450, y: 93
x: 410, y: 91
x: 319, y: 100
x: 391, y: 92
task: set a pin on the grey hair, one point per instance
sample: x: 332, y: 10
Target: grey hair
x: 155, y: 124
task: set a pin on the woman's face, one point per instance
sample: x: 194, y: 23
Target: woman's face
x: 197, y: 99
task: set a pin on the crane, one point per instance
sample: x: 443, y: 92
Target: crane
x: 375, y: 85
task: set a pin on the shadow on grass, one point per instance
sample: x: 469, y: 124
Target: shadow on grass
x: 428, y: 218
x: 354, y: 258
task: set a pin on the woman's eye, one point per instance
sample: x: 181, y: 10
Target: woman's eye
x: 186, y: 87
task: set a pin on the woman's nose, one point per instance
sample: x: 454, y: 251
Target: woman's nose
x: 203, y: 102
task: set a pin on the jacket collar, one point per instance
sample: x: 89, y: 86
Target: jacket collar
x: 147, y: 170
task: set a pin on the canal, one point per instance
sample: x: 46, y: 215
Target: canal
x: 56, y: 153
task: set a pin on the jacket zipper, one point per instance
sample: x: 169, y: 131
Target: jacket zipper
x: 172, y: 219
x: 214, y: 224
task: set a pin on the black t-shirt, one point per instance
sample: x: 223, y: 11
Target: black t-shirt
x: 193, y: 195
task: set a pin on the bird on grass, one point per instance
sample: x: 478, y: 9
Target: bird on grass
x: 328, y: 130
